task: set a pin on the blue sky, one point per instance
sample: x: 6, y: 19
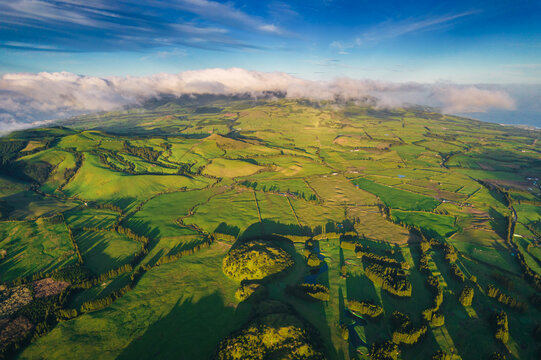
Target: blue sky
x: 475, y: 41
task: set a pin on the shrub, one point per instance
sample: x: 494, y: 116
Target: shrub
x: 466, y: 296
x: 438, y: 319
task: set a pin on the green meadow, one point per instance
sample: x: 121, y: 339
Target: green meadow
x: 397, y: 199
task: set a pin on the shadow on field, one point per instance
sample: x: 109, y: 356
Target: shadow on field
x: 498, y: 223
x: 360, y: 288
x: 9, y: 266
x: 192, y: 330
x: 93, y: 248
x: 223, y: 228
x: 124, y: 203
x: 270, y: 227
x: 273, y: 227
x: 143, y: 227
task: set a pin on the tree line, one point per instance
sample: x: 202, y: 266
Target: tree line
x: 501, y: 326
x: 276, y: 189
x: 433, y: 314
x: 70, y: 172
x: 502, y: 298
x: 142, y: 152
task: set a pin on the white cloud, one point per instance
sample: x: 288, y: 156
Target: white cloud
x: 473, y: 99
x: 270, y: 28
x: 27, y: 97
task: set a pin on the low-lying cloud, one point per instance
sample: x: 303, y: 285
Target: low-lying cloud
x: 34, y: 97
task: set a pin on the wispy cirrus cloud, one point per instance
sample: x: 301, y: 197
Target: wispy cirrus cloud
x: 388, y: 30
x: 74, y: 25
x: 225, y: 14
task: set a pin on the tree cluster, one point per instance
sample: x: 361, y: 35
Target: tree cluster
x: 450, y: 253
x: 466, y: 296
x: 104, y: 155
x: 424, y: 260
x: 380, y: 259
x: 365, y: 308
x: 432, y: 314
x: 384, y: 351
x: 404, y: 332
x: 390, y: 279
x: 255, y: 260
x: 271, y: 336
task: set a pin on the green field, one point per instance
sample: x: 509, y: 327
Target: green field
x: 336, y: 191
x: 397, y: 199
x: 164, y: 302
x: 103, y: 251
x: 33, y: 246
x: 439, y: 226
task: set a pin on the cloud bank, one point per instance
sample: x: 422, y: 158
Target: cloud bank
x: 34, y: 97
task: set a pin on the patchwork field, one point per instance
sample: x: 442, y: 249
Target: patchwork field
x: 348, y: 232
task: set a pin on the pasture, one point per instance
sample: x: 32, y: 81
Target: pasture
x: 33, y: 246
x: 397, y: 199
